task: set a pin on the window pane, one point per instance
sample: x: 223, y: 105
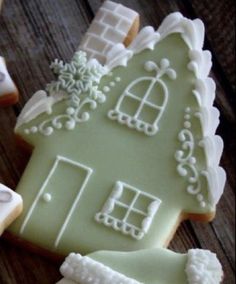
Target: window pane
x: 129, y: 106
x: 148, y: 114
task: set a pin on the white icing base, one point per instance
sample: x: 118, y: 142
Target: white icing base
x: 9, y: 201
x: 6, y: 84
x: 84, y: 270
x: 203, y: 267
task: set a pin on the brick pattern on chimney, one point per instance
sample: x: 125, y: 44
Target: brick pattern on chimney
x: 110, y: 26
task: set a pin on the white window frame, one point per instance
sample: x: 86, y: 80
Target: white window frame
x: 105, y: 215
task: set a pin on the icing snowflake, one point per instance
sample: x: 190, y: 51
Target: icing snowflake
x: 77, y: 77
x: 78, y: 84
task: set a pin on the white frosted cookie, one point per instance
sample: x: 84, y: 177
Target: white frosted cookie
x: 8, y: 90
x: 11, y: 206
x: 143, y: 267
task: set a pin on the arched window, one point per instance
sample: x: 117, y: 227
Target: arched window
x: 144, y: 100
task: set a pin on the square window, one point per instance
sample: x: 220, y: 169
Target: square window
x: 126, y: 209
x: 148, y: 114
x: 129, y: 106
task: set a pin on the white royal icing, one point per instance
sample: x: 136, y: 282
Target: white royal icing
x: 39, y: 103
x: 74, y: 78
x: 110, y: 26
x: 84, y: 270
x: 9, y: 200
x: 6, y: 84
x: 126, y: 227
x: 203, y: 267
x: 134, y: 120
x: 48, y: 197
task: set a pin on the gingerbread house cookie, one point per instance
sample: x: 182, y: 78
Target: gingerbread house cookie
x: 125, y: 150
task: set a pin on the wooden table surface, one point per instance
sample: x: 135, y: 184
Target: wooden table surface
x: 33, y: 33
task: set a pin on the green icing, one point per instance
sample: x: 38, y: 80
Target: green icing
x: 156, y: 266
x: 114, y: 153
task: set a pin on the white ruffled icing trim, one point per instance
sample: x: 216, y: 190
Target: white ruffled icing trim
x: 85, y: 270
x: 203, y: 267
x: 39, y: 103
x: 192, y: 32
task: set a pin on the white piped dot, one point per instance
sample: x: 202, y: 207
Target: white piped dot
x: 34, y: 129
x: 118, y: 79
x: 112, y: 84
x: 187, y: 124
x: 203, y: 204
x: 47, y: 197
x: 187, y: 116
x: 192, y: 160
x: 200, y: 197
x: 106, y: 89
x: 188, y: 110
x: 27, y: 131
x: 70, y: 110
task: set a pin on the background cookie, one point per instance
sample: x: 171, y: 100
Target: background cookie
x: 8, y: 91
x: 11, y: 206
x: 190, y: 234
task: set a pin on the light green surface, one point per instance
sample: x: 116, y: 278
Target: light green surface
x: 156, y: 266
x: 114, y: 152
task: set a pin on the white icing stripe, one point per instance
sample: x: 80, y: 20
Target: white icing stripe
x: 203, y: 267
x: 6, y: 84
x: 84, y: 270
x: 38, y: 196
x: 89, y: 172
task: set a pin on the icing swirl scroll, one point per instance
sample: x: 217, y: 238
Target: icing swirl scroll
x: 187, y: 161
